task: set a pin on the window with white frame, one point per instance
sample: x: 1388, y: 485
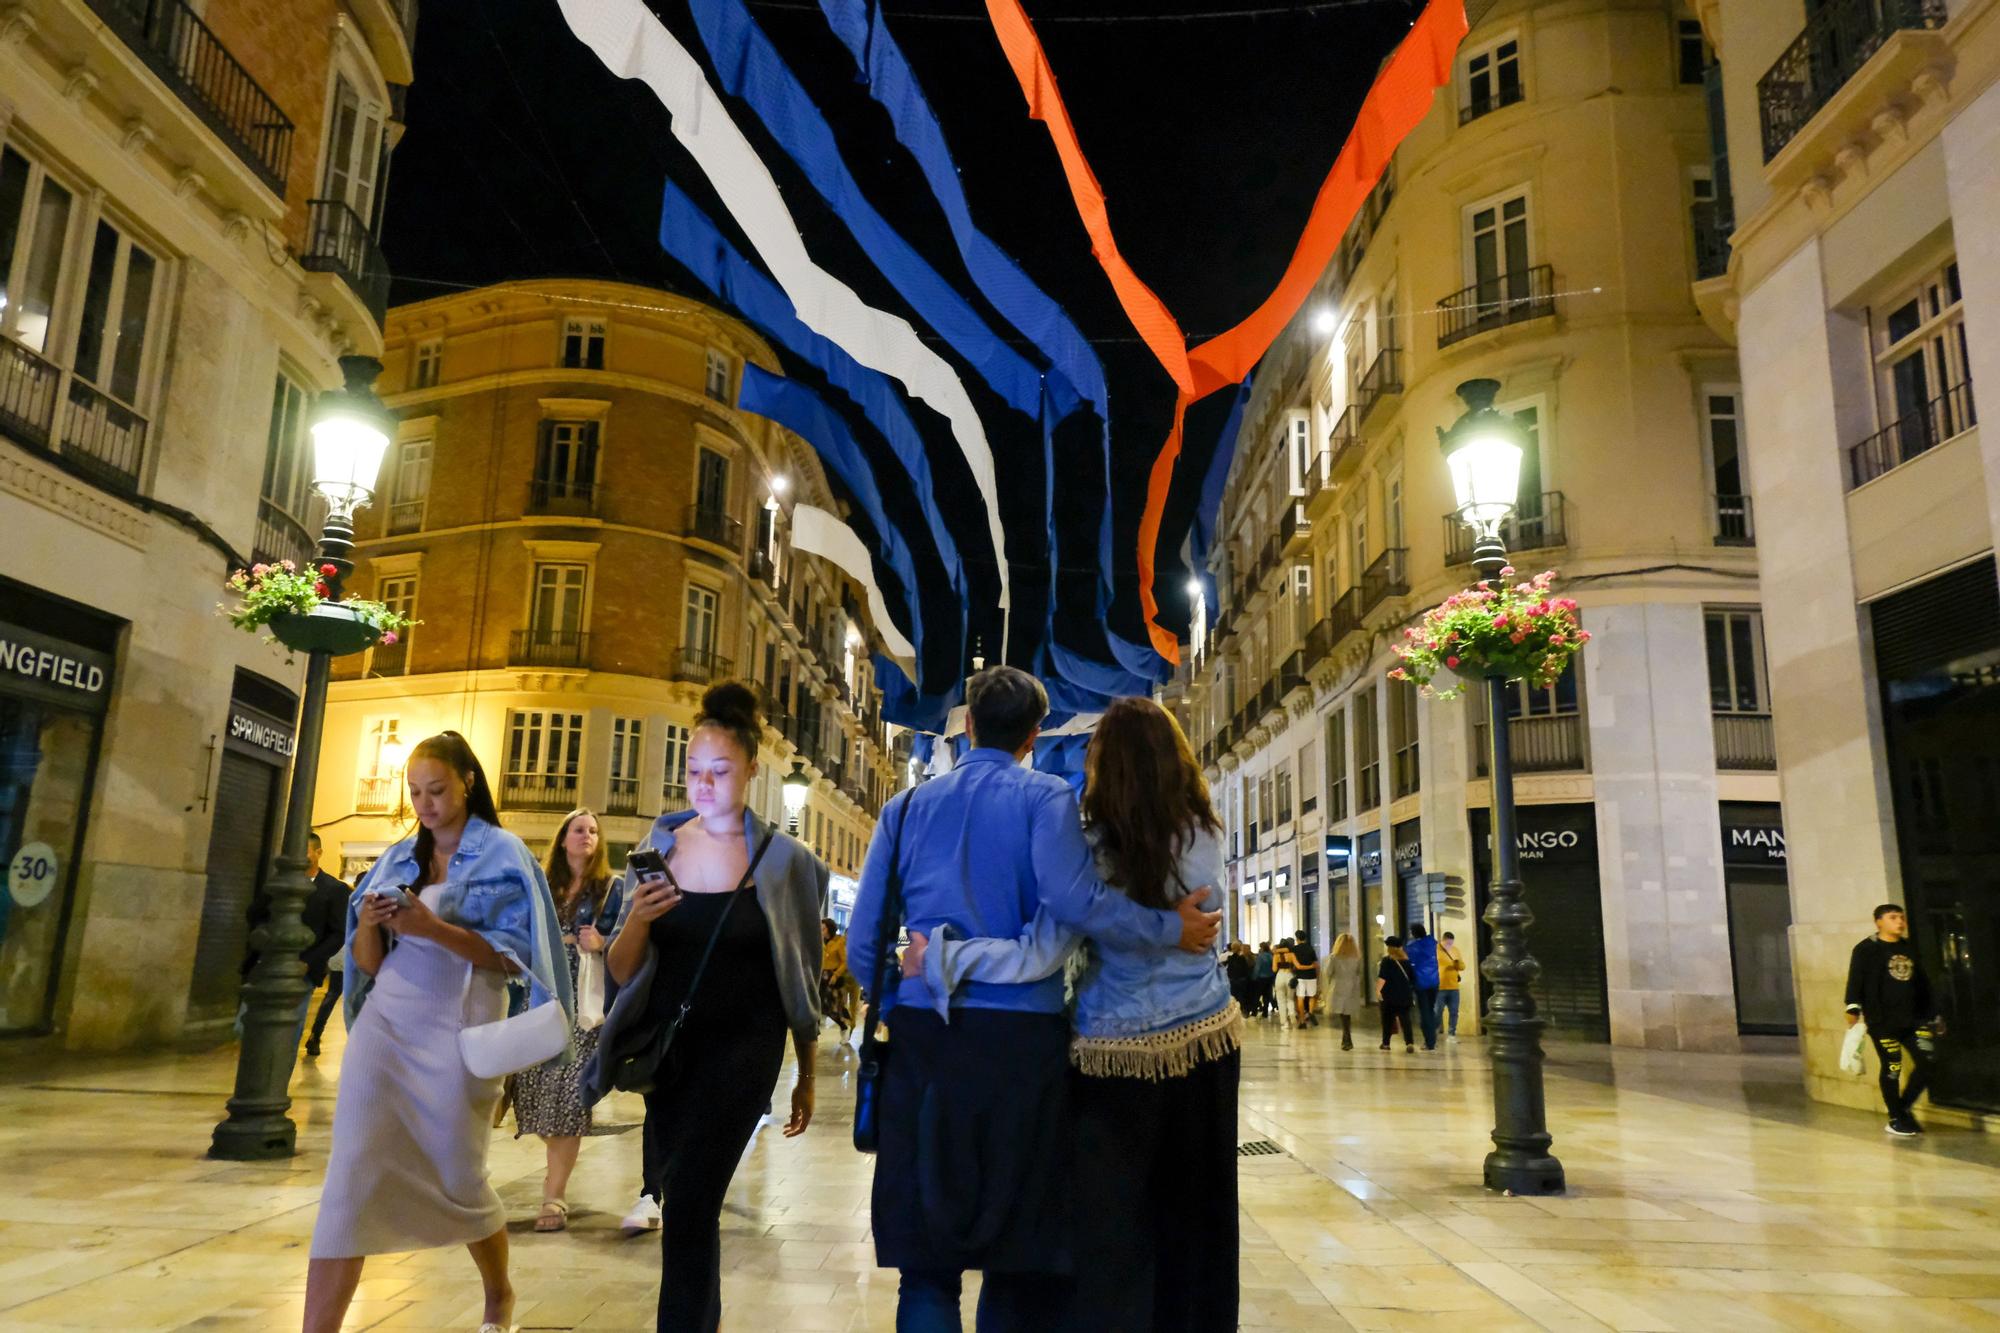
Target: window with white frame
x: 426, y: 361
x: 287, y: 464
x: 1498, y: 253
x: 1367, y: 751
x: 1301, y: 452
x: 1722, y: 425
x: 115, y: 315
x: 715, y: 375
x: 1357, y: 533
x: 1265, y: 804
x: 1336, y: 765
x: 410, y: 485
x: 583, y: 343
x: 675, y: 792
x: 34, y: 233
x: 544, y: 757
x: 1392, y: 512
x: 398, y: 592
x: 628, y: 736
x: 1923, y: 389
x: 1284, y: 793
x: 1736, y: 682
x: 1308, y: 777
x: 698, y: 624
x: 379, y: 771
x: 353, y: 154
x: 1404, y: 775
x: 566, y: 462
x: 556, y: 605
x: 1490, y: 78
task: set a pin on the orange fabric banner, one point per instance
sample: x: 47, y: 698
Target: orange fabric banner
x: 1396, y: 102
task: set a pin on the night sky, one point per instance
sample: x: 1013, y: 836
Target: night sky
x: 525, y: 158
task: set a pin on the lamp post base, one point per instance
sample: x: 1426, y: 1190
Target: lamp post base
x: 261, y: 1138
x: 1510, y: 1172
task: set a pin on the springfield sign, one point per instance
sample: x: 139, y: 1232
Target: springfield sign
x: 50, y: 669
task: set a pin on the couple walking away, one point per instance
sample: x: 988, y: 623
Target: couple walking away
x: 1083, y: 1162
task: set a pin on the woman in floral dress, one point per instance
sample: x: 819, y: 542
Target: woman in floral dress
x: 547, y: 1099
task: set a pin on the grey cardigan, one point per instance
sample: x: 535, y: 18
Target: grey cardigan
x: 791, y: 888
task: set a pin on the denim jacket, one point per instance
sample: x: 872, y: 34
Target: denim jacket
x: 1122, y: 991
x: 494, y: 886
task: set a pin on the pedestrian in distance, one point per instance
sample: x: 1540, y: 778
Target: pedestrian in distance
x: 975, y: 1166
x: 1239, y: 969
x: 1395, y: 989
x: 1155, y: 1056
x: 722, y: 936
x: 440, y: 923
x: 325, y: 916
x: 548, y: 1100
x: 1343, y: 986
x: 840, y: 993
x: 1888, y: 989
x: 1264, y: 972
x: 1451, y: 967
x: 1422, y: 954
x: 1305, y: 980
x: 1284, y: 974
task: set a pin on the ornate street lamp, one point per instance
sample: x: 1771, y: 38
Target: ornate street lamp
x: 1483, y: 449
x: 796, y: 785
x: 351, y: 430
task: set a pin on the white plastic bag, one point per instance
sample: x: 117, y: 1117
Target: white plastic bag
x: 589, y: 991
x: 1850, y: 1049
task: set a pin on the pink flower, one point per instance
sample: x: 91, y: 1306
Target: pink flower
x: 1397, y: 673
x: 1557, y: 637
x: 1500, y: 622
x: 1517, y: 636
x: 1583, y: 636
x: 1409, y: 634
x: 388, y: 637
x: 1507, y: 572
x: 1451, y: 662
x: 289, y: 567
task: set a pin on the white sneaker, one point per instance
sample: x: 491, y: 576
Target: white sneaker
x: 645, y: 1216
x: 1452, y: 1035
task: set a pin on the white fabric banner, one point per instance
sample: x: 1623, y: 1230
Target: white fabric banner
x: 819, y: 533
x: 634, y: 44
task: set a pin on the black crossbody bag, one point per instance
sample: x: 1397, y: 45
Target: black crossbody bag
x: 874, y: 1051
x: 640, y: 1071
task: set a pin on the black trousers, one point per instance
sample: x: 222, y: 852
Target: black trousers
x: 1895, y: 1050
x: 1155, y: 1199
x: 334, y: 982
x: 698, y: 1121
x: 1390, y: 1018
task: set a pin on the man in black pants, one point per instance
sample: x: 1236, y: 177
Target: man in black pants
x: 1887, y: 988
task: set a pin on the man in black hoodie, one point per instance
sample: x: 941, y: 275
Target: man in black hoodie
x: 1887, y: 988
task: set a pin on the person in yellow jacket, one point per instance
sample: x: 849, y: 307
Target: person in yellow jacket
x: 1451, y: 966
x: 840, y: 993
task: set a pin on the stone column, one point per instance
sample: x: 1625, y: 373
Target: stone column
x: 1971, y: 146
x: 594, y: 777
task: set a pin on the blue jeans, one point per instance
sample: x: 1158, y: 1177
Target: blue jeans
x: 927, y: 1301
x: 1450, y: 998
x: 1427, y: 1015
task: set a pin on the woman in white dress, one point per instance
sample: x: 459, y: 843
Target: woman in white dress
x: 433, y: 933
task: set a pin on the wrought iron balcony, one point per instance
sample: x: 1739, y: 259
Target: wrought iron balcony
x: 176, y: 45
x: 1839, y: 37
x: 376, y: 794
x: 549, y: 648
x: 1733, y: 523
x: 338, y: 242
x: 1507, y: 94
x: 1745, y: 742
x: 1291, y: 673
x: 1384, y: 379
x: 103, y: 438
x: 1294, y: 528
x: 700, y: 666
x: 1385, y: 578
x: 562, y: 495
x: 623, y: 798
x: 1509, y: 298
x: 391, y: 659
x: 1343, y: 441
x: 1345, y: 616
x: 1535, y: 526
x: 405, y: 516
x: 1950, y: 413
x: 1711, y: 241
x: 673, y: 796
x: 713, y: 526
x: 27, y: 394
x: 538, y: 791
x: 1319, y: 642
x: 279, y: 537
x: 1553, y: 744
x: 762, y: 569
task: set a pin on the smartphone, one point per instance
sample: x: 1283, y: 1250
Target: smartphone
x: 646, y: 863
x: 398, y: 896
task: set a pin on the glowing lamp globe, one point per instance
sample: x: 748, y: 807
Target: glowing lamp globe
x: 796, y: 785
x: 350, y: 431
x: 1483, y: 451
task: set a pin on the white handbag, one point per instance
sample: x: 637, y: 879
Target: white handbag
x: 1850, y: 1049
x: 589, y: 991
x: 532, y: 1037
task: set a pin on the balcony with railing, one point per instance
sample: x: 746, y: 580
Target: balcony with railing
x: 377, y: 794
x: 559, y: 648
x: 103, y: 439
x: 1496, y: 302
x: 700, y: 666
x: 1343, y: 441
x: 1949, y: 414
x: 1387, y: 576
x: 1547, y: 744
x: 1270, y: 700
x: 623, y: 797
x: 1319, y: 642
x: 1294, y: 529
x: 1839, y: 38
x: 1381, y: 381
x: 405, y: 516
x: 707, y: 524
x: 538, y: 791
x: 1734, y: 525
x: 762, y: 569
x: 390, y: 659
x: 27, y: 394
x: 1537, y: 525
x: 279, y: 537
x: 1344, y: 616
x: 562, y: 495
x: 1711, y: 241
x: 1292, y: 674
x: 339, y: 242
x: 177, y: 46
x: 673, y: 796
x: 1485, y: 104
x: 1744, y: 742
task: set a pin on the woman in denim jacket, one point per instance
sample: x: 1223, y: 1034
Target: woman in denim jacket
x: 1155, y: 1055
x: 434, y: 933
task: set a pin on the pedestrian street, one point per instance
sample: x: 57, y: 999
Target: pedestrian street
x: 1705, y: 1193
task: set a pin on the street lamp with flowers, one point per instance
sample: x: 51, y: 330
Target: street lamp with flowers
x: 308, y: 613
x: 796, y: 785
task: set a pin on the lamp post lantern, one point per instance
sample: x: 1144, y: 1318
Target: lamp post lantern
x: 351, y: 430
x: 796, y: 785
x: 1483, y: 450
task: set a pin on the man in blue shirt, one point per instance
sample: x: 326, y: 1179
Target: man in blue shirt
x: 1422, y: 952
x: 974, y: 1140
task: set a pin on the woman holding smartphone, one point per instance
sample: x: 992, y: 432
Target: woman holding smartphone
x: 548, y: 1101
x: 440, y: 923
x: 736, y: 890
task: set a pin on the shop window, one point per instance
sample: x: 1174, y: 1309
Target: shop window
x: 1490, y: 78
x: 426, y: 362
x: 583, y: 344
x: 1367, y: 751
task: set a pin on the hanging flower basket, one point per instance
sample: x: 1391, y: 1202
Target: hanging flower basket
x: 1521, y: 632
x: 297, y: 608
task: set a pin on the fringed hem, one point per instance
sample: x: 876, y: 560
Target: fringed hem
x: 1161, y: 1055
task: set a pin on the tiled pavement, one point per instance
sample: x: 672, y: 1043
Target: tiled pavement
x: 1706, y: 1194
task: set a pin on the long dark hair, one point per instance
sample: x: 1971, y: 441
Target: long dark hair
x: 596, y: 881
x: 1144, y: 797
x: 450, y: 749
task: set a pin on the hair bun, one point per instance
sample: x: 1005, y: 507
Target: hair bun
x: 733, y: 704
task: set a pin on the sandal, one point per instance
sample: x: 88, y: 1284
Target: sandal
x: 553, y: 1217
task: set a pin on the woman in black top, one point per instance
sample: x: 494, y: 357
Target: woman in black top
x: 761, y: 981
x: 1395, y: 991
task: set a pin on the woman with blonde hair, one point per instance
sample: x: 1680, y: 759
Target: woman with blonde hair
x: 1343, y: 986
x: 548, y: 1101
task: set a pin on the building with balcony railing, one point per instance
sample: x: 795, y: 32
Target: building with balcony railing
x: 174, y: 299
x: 1491, y: 254
x: 1861, y: 291
x: 589, y: 537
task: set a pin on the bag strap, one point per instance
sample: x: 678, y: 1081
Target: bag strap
x: 708, y: 950
x: 885, y: 933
